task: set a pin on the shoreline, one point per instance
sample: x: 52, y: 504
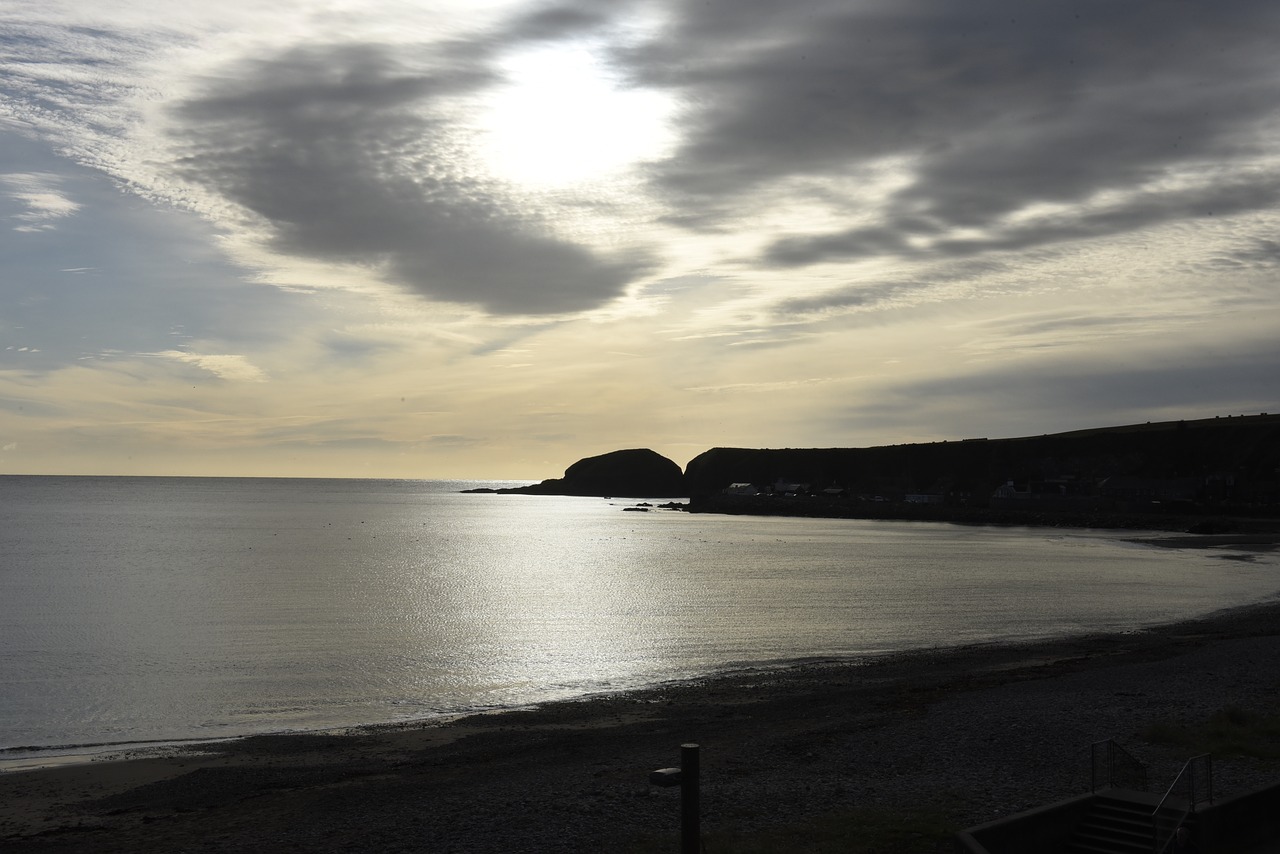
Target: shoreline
x: 1018, y: 514
x: 21, y: 758
x: 1244, y: 546
x: 983, y: 730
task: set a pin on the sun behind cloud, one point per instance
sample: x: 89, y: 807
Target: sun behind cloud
x: 562, y: 118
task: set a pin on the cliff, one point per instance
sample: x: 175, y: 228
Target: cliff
x: 1238, y: 457
x: 1211, y: 466
x: 633, y: 473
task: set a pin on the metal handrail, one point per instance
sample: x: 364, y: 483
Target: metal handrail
x: 1121, y: 767
x: 1189, y: 771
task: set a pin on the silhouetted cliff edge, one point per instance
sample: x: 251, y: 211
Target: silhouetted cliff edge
x: 1193, y: 474
x: 1240, y: 451
x: 1217, y: 466
x: 633, y: 473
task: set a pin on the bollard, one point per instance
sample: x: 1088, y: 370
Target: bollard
x: 686, y: 777
x: 690, y: 808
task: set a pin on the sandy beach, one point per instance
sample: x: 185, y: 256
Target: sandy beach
x: 969, y: 734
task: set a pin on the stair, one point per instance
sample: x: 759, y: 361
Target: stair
x: 1113, y: 826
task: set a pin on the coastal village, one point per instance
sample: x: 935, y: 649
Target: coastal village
x: 1065, y: 492
x: 1210, y: 475
x: 1227, y: 466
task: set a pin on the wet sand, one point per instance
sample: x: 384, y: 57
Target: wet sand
x: 976, y: 732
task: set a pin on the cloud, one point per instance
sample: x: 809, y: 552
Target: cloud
x: 862, y: 295
x: 931, y: 283
x: 1017, y: 124
x: 344, y: 154
x: 557, y: 22
x: 226, y: 366
x: 1256, y: 253
x: 228, y: 225
x: 38, y: 193
x: 1144, y: 209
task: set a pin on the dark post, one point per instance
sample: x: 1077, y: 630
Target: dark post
x: 690, y: 809
x: 686, y: 777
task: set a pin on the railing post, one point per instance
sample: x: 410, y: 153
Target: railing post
x: 690, y: 797
x: 1095, y: 760
x: 1193, y: 798
x: 686, y: 777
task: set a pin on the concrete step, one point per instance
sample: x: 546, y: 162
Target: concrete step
x: 1114, y: 826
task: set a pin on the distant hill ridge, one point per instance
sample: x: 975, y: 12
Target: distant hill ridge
x: 1240, y: 454
x: 1224, y: 460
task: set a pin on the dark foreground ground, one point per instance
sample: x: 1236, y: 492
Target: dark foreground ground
x: 927, y: 742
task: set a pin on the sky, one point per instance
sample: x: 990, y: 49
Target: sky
x: 485, y: 239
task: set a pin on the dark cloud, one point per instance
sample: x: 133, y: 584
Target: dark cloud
x: 994, y: 104
x: 342, y: 151
x: 1260, y: 253
x: 1143, y: 210
x: 555, y: 22
x: 854, y: 243
x: 862, y: 295
x: 867, y: 294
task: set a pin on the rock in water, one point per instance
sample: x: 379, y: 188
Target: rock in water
x: 634, y: 473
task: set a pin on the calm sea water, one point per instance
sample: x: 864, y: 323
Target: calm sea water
x: 138, y: 609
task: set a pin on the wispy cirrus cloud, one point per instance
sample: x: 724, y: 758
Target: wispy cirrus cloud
x: 227, y: 366
x: 41, y: 200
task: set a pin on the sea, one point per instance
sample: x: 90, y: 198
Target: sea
x: 141, y: 611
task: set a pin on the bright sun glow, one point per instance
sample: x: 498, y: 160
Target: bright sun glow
x: 561, y: 120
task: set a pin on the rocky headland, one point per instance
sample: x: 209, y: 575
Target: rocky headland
x: 1210, y: 476
x: 633, y: 473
